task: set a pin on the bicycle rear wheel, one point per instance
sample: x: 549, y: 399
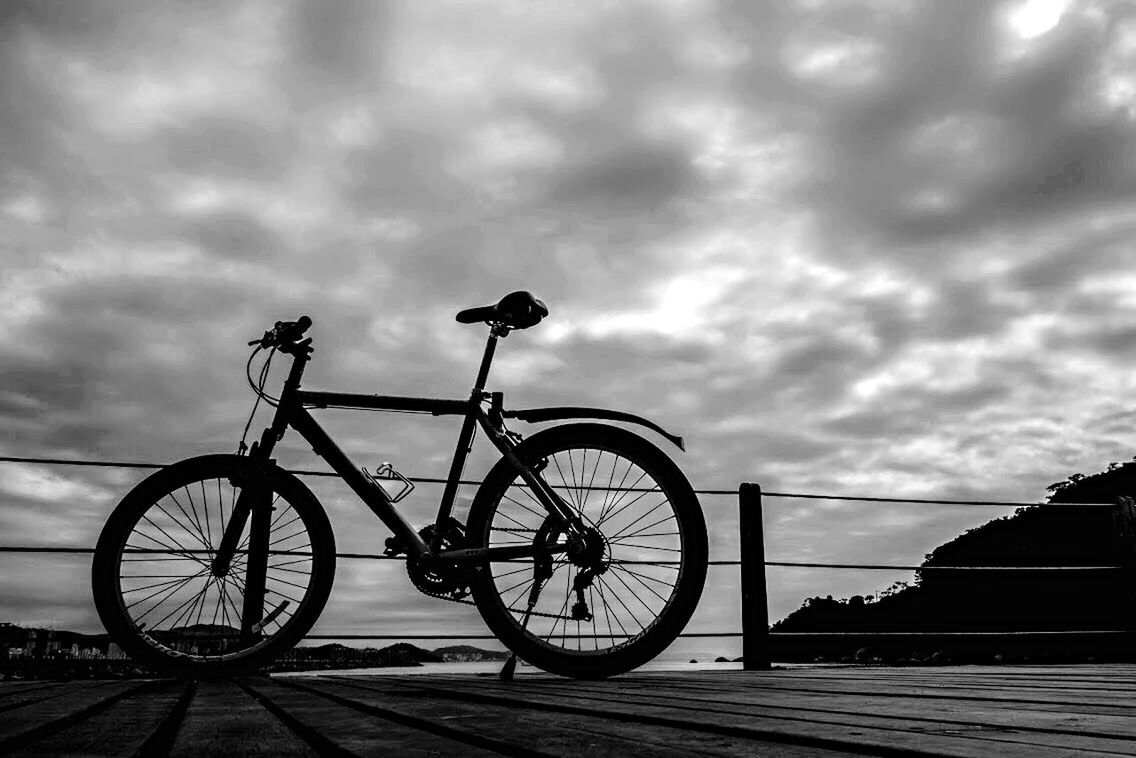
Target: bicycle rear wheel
x: 647, y: 550
x: 152, y: 572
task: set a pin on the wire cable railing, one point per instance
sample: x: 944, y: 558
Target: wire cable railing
x: 474, y: 482
x: 82, y: 550
x: 755, y: 626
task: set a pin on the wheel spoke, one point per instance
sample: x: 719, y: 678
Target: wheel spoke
x: 623, y: 531
x: 606, y: 605
x: 166, y: 597
x: 180, y: 549
x: 194, y: 518
x: 647, y: 586
x: 621, y: 603
x: 165, y: 583
x: 636, y: 519
x: 150, y: 586
x: 193, y: 505
x: 564, y: 480
x: 536, y: 513
x: 179, y: 585
x: 619, y: 493
x: 196, y: 526
x: 616, y: 511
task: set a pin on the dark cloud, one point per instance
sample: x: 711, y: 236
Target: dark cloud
x: 337, y: 53
x: 1050, y: 272
x: 403, y: 173
x: 227, y: 147
x: 838, y: 246
x: 941, y: 138
x: 631, y: 181
x: 232, y: 235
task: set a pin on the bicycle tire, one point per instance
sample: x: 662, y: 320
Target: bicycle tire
x: 539, y: 645
x: 196, y: 650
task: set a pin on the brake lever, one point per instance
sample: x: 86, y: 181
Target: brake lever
x: 264, y: 341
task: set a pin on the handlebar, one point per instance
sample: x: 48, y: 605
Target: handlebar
x: 284, y: 334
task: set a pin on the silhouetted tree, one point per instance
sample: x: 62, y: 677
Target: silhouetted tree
x: 945, y: 600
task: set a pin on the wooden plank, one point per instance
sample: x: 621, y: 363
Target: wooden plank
x: 349, y: 729
x: 1086, y: 680
x: 510, y: 734
x: 15, y: 689
x: 69, y: 705
x: 1019, y: 693
x: 556, y: 734
x: 1056, y: 673
x: 852, y: 730
x: 20, y: 698
x: 223, y: 720
x: 915, y: 701
x: 1034, y: 711
x: 904, y: 699
x: 121, y: 729
x: 1011, y: 714
x: 927, y: 687
x: 872, y: 672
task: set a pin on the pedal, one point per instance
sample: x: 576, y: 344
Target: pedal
x: 258, y: 628
x: 395, y: 547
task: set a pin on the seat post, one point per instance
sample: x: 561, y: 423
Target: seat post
x: 497, y: 330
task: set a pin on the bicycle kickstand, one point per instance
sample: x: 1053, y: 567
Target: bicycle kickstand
x: 542, y: 572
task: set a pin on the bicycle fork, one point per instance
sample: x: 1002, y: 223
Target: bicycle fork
x: 255, y: 501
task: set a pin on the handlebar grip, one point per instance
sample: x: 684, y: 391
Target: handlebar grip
x: 291, y: 331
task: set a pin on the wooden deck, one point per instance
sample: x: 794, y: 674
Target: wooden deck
x: 957, y: 711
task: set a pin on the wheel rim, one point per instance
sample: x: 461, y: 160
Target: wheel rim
x: 165, y: 587
x: 642, y: 552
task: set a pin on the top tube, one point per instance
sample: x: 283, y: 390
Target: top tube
x: 435, y: 406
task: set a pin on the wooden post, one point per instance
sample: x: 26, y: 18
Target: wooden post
x: 1124, y: 518
x: 755, y: 600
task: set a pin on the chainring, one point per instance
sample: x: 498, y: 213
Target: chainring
x: 440, y: 579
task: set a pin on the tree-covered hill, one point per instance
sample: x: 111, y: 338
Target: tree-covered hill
x: 946, y: 600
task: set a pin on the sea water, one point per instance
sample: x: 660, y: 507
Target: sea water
x: 492, y: 667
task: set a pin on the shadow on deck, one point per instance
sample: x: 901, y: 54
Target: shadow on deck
x: 958, y: 711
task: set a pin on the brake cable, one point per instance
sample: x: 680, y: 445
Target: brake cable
x: 257, y: 388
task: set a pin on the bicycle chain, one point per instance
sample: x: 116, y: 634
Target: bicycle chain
x: 464, y: 601
x: 455, y: 536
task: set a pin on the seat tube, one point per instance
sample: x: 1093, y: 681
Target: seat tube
x: 487, y: 358
x: 465, y: 437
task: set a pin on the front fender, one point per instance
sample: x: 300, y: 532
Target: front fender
x: 536, y: 415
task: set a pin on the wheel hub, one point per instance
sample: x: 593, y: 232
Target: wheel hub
x: 588, y: 549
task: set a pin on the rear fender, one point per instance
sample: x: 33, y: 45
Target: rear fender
x: 537, y: 415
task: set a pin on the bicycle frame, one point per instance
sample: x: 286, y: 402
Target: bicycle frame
x: 292, y: 410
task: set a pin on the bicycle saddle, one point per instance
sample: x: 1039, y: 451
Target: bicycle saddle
x: 517, y: 310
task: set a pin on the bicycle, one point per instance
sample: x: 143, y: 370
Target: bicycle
x: 584, y: 549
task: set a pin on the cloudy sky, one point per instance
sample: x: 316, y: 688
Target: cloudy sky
x: 844, y: 246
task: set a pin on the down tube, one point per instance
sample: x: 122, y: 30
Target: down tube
x: 375, y: 499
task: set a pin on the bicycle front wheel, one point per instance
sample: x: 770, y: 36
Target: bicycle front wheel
x: 643, y: 565
x: 153, y: 579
